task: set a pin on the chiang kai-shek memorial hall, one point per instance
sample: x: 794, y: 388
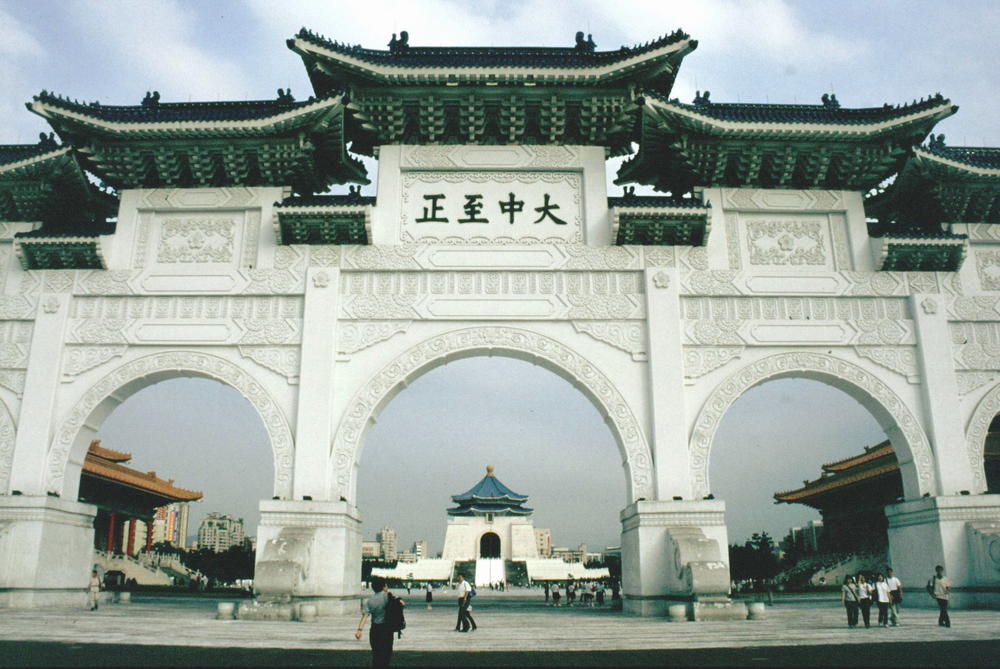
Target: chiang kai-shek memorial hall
x: 778, y: 246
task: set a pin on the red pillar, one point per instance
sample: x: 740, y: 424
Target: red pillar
x: 149, y: 535
x: 130, y: 548
x: 112, y: 521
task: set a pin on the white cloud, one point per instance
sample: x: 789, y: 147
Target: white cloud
x: 153, y: 45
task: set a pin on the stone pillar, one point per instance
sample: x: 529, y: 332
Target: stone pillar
x: 47, y: 546
x: 309, y: 552
x: 960, y: 533
x: 130, y: 547
x: 942, y: 409
x: 37, y: 414
x: 676, y: 552
x: 668, y: 426
x: 314, y: 422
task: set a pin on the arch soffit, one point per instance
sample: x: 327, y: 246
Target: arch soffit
x: 8, y: 432
x: 159, y: 367
x: 539, y: 348
x: 975, y: 435
x: 844, y: 375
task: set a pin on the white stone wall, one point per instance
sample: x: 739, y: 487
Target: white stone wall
x: 463, y: 534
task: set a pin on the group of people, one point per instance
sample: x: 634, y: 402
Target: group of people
x: 858, y: 595
x: 592, y: 593
x: 886, y: 591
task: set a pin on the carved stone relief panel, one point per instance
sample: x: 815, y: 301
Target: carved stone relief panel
x: 970, y: 381
x: 699, y: 361
x: 749, y: 199
x: 282, y: 360
x: 570, y: 295
x: 988, y: 268
x: 196, y: 240
x: 976, y: 345
x: 788, y: 242
x: 472, y: 157
x: 359, y: 335
x: 79, y: 359
x: 628, y: 336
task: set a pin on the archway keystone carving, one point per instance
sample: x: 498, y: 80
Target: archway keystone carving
x: 875, y: 395
x: 177, y: 363
x: 555, y: 356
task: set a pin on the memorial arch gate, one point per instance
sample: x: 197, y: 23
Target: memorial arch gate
x: 492, y: 235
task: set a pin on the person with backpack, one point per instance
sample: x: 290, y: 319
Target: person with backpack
x: 850, y: 597
x: 939, y: 587
x: 386, y: 612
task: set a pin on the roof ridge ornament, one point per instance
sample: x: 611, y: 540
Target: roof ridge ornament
x: 401, y: 44
x: 585, y: 45
x: 285, y: 95
x: 489, y: 470
x: 151, y: 100
x: 830, y: 101
x: 936, y: 142
x: 47, y: 141
x: 700, y: 99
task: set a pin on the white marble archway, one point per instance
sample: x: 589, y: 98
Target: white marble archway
x: 72, y: 436
x: 912, y: 447
x: 491, y: 340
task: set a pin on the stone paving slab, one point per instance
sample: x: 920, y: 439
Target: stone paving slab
x: 508, y: 628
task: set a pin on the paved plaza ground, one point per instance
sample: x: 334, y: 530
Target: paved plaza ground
x: 183, y: 632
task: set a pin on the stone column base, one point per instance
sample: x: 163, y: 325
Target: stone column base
x: 308, y: 552
x: 675, y: 552
x: 960, y: 533
x: 46, y: 552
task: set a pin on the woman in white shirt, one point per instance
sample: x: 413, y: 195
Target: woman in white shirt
x: 882, y: 599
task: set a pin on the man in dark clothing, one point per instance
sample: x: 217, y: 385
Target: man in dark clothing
x: 939, y: 587
x: 380, y: 637
x: 464, y: 599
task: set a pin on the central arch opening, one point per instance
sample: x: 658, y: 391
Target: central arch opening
x: 489, y: 545
x: 547, y: 506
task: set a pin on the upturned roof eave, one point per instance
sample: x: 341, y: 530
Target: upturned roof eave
x: 664, y: 112
x: 35, y: 162
x: 634, y: 62
x: 313, y: 113
x: 926, y: 160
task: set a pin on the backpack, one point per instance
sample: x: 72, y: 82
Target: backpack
x: 394, y: 617
x: 472, y: 593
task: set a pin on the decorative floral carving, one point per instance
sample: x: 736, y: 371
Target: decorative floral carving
x: 786, y: 243
x: 969, y: 381
x: 380, y: 307
x: 980, y: 308
x: 14, y: 307
x: 175, y: 363
x: 196, y: 240
x: 58, y: 281
x: 355, y: 336
x: 580, y: 256
x: 283, y: 360
x: 900, y: 359
x: 712, y: 282
x: 849, y: 377
x: 324, y: 256
x: 79, y: 359
x: 660, y: 256
x: 661, y: 280
x: 562, y: 360
x: 988, y: 268
x: 929, y: 305
x: 395, y: 256
x: 629, y: 336
x: 106, y: 282
x: 603, y: 307
x: 876, y: 283
x: 100, y: 330
x: 883, y: 331
x: 13, y: 380
x: 717, y: 332
x: 700, y: 361
x: 50, y: 304
x: 13, y: 355
x: 321, y: 279
x: 269, y: 331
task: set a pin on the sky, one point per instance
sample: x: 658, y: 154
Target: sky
x: 557, y: 450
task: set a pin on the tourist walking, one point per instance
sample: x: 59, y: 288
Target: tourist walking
x: 939, y: 587
x: 570, y: 593
x: 850, y: 597
x: 865, y: 593
x: 556, y: 595
x: 895, y: 595
x: 380, y: 636
x: 546, y: 589
x: 882, y: 600
x: 429, y: 597
x: 464, y: 599
x: 93, y: 589
x: 600, y: 593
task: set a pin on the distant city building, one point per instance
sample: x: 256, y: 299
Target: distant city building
x: 543, y: 541
x: 420, y: 549
x: 371, y: 550
x: 387, y: 540
x: 578, y: 554
x: 219, y: 531
x: 406, y: 556
x: 804, y: 539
